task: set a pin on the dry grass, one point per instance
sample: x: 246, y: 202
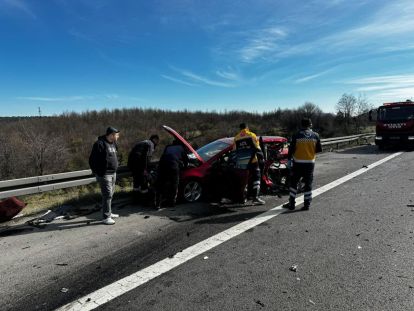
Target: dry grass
x: 76, y: 196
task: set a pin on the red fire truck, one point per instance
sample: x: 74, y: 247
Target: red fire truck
x: 395, y: 124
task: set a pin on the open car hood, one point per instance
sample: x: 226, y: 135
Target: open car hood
x: 183, y: 141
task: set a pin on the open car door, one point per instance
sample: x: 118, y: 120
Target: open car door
x: 185, y: 143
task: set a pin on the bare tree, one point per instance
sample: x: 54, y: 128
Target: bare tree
x: 362, y: 109
x: 346, y: 107
x: 48, y: 153
x: 310, y: 110
x: 363, y: 106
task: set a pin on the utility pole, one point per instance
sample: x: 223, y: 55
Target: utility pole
x: 40, y: 113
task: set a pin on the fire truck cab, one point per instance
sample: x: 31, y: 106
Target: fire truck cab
x: 394, y: 124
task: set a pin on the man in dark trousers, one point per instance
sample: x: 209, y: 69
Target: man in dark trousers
x: 173, y: 159
x: 138, y: 161
x: 302, y: 154
x: 246, y: 141
x: 103, y: 162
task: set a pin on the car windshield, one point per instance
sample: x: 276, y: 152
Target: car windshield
x: 210, y: 150
x: 397, y: 113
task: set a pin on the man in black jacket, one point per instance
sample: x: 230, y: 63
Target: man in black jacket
x: 103, y: 162
x: 138, y: 161
x: 173, y: 159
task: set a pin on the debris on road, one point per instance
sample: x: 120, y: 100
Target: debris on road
x: 364, y: 166
x: 359, y: 247
x: 205, y: 257
x: 61, y: 212
x: 61, y: 264
x: 260, y: 303
x: 188, y: 233
x: 293, y: 268
x: 10, y: 207
x: 146, y: 217
x: 19, y: 215
x: 312, y: 302
x: 64, y: 290
x: 410, y: 205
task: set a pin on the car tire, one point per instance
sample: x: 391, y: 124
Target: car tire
x: 192, y: 191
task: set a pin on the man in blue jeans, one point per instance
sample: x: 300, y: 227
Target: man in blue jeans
x: 103, y: 162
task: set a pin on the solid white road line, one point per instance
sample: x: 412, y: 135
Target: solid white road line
x: 116, y: 289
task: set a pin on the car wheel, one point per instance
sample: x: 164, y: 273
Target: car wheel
x: 192, y: 191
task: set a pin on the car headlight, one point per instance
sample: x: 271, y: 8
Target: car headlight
x: 410, y: 137
x: 378, y: 137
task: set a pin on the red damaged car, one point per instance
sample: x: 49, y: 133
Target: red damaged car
x: 194, y: 179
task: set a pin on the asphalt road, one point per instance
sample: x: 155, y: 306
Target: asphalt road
x: 353, y: 250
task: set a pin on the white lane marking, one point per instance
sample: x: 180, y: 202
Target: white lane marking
x: 120, y: 287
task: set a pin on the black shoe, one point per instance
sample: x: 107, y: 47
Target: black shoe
x: 289, y: 206
x: 305, y: 208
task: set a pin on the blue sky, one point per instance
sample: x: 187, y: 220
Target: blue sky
x: 77, y: 55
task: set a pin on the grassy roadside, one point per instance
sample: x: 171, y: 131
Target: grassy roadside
x: 76, y: 196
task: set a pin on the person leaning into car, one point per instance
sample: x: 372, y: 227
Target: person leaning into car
x: 247, y: 139
x: 173, y: 159
x: 103, y: 162
x: 302, y: 150
x: 139, y: 159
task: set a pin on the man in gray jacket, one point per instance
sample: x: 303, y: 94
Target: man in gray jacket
x: 103, y: 162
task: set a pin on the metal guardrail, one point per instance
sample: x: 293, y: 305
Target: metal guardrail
x: 39, y: 184
x: 346, y: 139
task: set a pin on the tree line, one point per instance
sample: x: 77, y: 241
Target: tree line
x: 36, y: 146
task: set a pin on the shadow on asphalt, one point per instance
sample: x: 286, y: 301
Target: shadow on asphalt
x: 181, y: 213
x: 294, y: 211
x: 229, y: 218
x: 373, y: 149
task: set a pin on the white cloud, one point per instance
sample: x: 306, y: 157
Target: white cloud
x: 311, y: 77
x: 191, y: 79
x: 381, y: 32
x: 401, y: 79
x: 178, y: 80
x: 229, y: 75
x: 394, y: 95
x: 198, y: 78
x: 262, y: 43
x: 21, y: 6
x: 389, y: 29
x: 386, y: 88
